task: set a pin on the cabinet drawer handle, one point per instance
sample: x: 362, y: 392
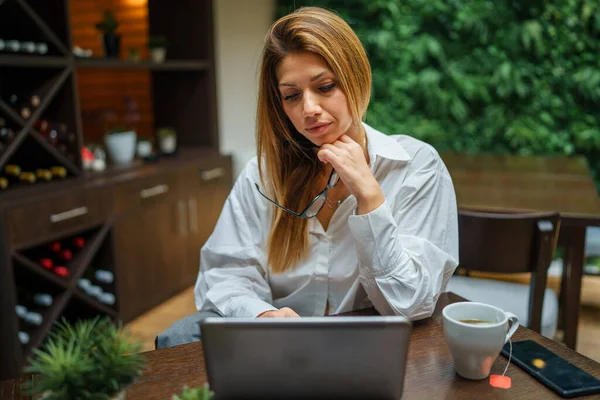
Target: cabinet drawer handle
x: 154, y: 191
x: 76, y: 212
x: 211, y: 174
x: 193, y: 214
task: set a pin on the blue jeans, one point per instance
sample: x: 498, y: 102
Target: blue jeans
x: 185, y: 330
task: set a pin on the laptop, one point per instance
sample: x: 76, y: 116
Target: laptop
x: 306, y: 358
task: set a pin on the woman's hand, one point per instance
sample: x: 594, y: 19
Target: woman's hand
x: 348, y: 159
x: 284, y: 312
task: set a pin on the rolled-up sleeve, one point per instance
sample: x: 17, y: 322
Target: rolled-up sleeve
x: 407, y: 248
x: 232, y: 280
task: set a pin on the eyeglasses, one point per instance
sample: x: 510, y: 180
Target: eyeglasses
x: 316, y: 204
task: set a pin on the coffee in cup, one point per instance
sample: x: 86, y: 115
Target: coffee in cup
x: 475, y: 334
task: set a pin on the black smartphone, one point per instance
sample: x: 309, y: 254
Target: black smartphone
x: 552, y: 370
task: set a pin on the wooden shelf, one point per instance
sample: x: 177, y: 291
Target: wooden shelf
x: 85, y: 257
x: 33, y: 61
x: 169, y: 65
x: 93, y: 303
x: 49, y: 318
x: 36, y: 269
x: 139, y: 249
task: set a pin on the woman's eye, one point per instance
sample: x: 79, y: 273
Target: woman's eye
x: 327, y: 88
x: 290, y: 97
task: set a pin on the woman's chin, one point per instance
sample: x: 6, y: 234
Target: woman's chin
x: 326, y: 139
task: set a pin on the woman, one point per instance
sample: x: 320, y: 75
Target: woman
x: 339, y: 216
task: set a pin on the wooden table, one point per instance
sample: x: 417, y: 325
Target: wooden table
x: 505, y: 183
x: 430, y: 369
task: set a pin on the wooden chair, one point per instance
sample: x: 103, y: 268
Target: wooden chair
x: 510, y: 243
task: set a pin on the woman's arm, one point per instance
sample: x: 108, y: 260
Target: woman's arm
x: 408, y: 246
x: 232, y: 278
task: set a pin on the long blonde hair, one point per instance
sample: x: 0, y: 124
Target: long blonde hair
x: 285, y: 165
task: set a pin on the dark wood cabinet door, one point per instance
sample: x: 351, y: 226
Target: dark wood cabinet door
x: 205, y: 198
x: 150, y: 254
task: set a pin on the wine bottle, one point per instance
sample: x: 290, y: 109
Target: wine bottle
x: 106, y: 298
x: 28, y: 47
x: 33, y: 318
x: 55, y: 246
x: 99, y: 276
x: 42, y: 126
x: 78, y: 242
x: 29, y: 317
x: 52, y: 135
x: 12, y: 173
x: 104, y: 276
x: 59, y: 172
x: 21, y: 310
x: 25, y: 296
x: 65, y: 255
x: 43, y: 174
x: 23, y: 337
x: 46, y: 263
x: 6, y: 133
x: 27, y: 177
x: 84, y: 284
x: 61, y: 271
x: 42, y: 48
x: 62, y: 141
x: 13, y: 46
x: 21, y: 106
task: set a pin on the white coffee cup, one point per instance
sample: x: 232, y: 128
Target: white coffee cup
x: 475, y: 347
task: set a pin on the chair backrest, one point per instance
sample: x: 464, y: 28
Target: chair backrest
x: 510, y: 243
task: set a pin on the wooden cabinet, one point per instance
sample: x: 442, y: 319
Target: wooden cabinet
x: 205, y: 191
x: 144, y: 222
x: 29, y: 222
x: 149, y: 253
x: 158, y: 237
x: 147, y: 226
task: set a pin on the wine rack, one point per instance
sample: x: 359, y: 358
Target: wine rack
x: 141, y: 226
x: 56, y: 270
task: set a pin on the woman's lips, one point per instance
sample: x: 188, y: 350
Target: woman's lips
x: 317, y: 130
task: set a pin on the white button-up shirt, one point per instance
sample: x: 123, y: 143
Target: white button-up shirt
x: 397, y: 258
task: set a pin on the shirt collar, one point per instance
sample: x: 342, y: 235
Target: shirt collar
x: 380, y: 144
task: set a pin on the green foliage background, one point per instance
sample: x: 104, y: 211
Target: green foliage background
x: 503, y: 76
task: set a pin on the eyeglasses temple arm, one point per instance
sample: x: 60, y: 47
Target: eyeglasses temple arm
x: 277, y: 205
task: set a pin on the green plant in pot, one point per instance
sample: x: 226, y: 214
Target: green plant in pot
x: 167, y: 140
x: 111, y: 40
x: 90, y: 359
x: 158, y: 48
x: 120, y: 138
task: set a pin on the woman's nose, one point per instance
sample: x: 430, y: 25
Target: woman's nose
x: 311, y: 105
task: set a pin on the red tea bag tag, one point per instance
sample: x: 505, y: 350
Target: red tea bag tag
x: 500, y: 381
x: 503, y: 381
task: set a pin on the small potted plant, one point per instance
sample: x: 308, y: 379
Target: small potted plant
x: 145, y: 150
x: 158, y: 48
x: 120, y: 138
x: 199, y: 393
x: 167, y: 140
x: 91, y: 359
x: 111, y: 41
